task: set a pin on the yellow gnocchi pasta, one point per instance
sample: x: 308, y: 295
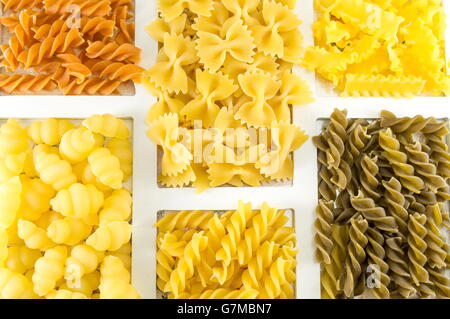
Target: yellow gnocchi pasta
x: 65, y: 214
x: 224, y: 83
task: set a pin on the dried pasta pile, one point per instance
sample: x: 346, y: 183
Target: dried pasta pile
x: 382, y: 213
x: 226, y: 65
x: 381, y: 48
x: 64, y: 214
x: 242, y: 254
x: 77, y: 47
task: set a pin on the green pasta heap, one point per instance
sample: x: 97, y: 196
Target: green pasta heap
x: 381, y: 216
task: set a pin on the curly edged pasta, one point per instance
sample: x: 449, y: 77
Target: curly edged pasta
x: 246, y: 252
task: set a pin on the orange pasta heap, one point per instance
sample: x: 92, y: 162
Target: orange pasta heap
x: 72, y: 46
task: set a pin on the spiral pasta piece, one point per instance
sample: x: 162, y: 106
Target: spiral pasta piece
x: 110, y: 236
x: 436, y: 245
x: 113, y: 51
x: 184, y: 219
x: 376, y: 258
x: 323, y: 227
x: 76, y: 144
x: 106, y: 167
x: 417, y: 248
x: 373, y: 213
x: 86, y: 8
x: 356, y: 256
x: 396, y: 204
x: 68, y: 201
x: 439, y: 154
x: 398, y: 160
x: 369, y: 180
x: 441, y: 283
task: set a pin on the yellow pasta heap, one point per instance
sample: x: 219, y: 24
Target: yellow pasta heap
x: 64, y: 219
x: 225, y: 89
x: 71, y: 47
x: 242, y: 254
x: 381, y: 48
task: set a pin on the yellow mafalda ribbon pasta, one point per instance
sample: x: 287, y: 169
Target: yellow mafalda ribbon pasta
x: 221, y: 80
x: 380, y: 48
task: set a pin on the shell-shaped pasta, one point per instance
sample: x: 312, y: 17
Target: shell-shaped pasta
x: 52, y: 169
x: 49, y: 131
x: 12, y: 165
x: 33, y: 236
x: 83, y: 260
x: 65, y: 294
x: 168, y: 72
x: 86, y: 8
x: 64, y: 41
x: 212, y: 87
x: 398, y: 161
x: 76, y: 144
x: 117, y: 207
x: 78, y: 201
x: 236, y: 42
x: 110, y: 236
x: 122, y: 149
x: 21, y: 258
x: 323, y: 226
x: 13, y: 138
x: 117, y: 289
x: 112, y: 268
x: 106, y: 167
x: 276, y: 20
x: 114, y: 52
x: 49, y: 269
x: 14, y: 285
x: 356, y: 256
x: 36, y: 196
x: 3, y: 248
x: 85, y: 176
x: 68, y: 231
x: 124, y: 254
x: 417, y: 248
x: 107, y: 125
x: 171, y: 9
x: 86, y: 285
x: 10, y: 201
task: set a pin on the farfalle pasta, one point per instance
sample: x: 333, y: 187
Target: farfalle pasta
x: 235, y: 254
x: 382, y: 212
x: 225, y: 86
x: 65, y: 213
x: 379, y: 48
x: 68, y: 47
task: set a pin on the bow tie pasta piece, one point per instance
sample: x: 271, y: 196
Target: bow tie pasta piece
x: 49, y: 131
x: 33, y: 236
x: 278, y: 163
x: 233, y: 68
x: 184, y: 178
x: 10, y: 201
x: 260, y: 87
x: 49, y: 269
x: 117, y: 289
x: 276, y: 20
x: 165, y: 132
x: 237, y: 42
x: 14, y: 285
x: 215, y: 22
x: 52, y: 169
x: 13, y: 138
x: 76, y: 144
x: 110, y: 236
x: 83, y: 260
x: 171, y: 9
x: 212, y: 88
x: 168, y: 72
x: 36, y: 196
x: 243, y: 9
x: 78, y: 201
x: 106, y: 167
x: 107, y: 125
x: 158, y: 28
x: 167, y: 103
